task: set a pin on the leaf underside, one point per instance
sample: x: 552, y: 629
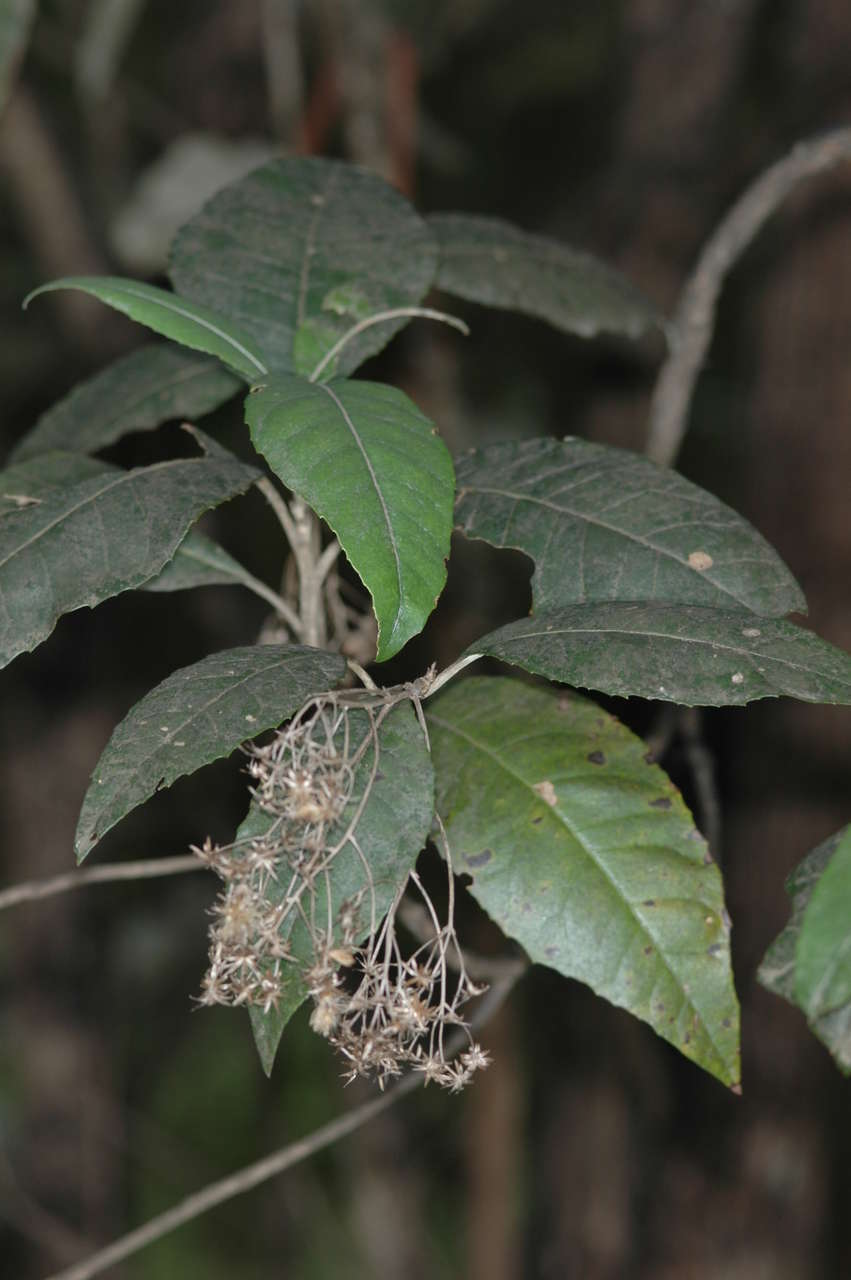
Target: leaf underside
x: 81, y: 544
x: 492, y: 262
x: 137, y: 392
x: 605, y: 524
x: 198, y: 714
x: 823, y: 968
x: 298, y: 252
x: 198, y: 562
x: 674, y: 653
x: 829, y: 1020
x: 586, y: 854
x: 371, y: 465
x: 391, y: 830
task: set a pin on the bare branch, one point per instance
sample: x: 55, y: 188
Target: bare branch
x: 269, y: 1167
x: 692, y: 327
x: 278, y: 504
x: 32, y: 890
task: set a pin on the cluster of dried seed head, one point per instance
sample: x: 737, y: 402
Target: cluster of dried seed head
x: 302, y: 780
x: 384, y: 1011
x: 278, y: 918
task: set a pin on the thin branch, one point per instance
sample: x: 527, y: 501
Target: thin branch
x: 278, y: 504
x: 694, y: 320
x: 303, y: 531
x: 269, y: 1167
x: 32, y: 890
x: 396, y: 313
x: 307, y: 549
x: 327, y: 560
x: 271, y: 597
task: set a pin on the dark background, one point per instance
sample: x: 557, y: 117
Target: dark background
x: 589, y: 1149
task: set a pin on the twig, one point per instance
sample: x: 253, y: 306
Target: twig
x: 32, y: 890
x: 693, y: 323
x: 380, y: 317
x: 255, y: 1174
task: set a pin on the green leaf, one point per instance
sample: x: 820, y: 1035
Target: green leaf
x: 198, y: 562
x: 16, y: 18
x: 823, y: 968
x: 82, y: 544
x: 390, y: 831
x: 199, y: 714
x: 24, y: 484
x: 300, y: 250
x: 673, y: 653
x: 135, y: 393
x: 586, y: 854
x: 174, y: 317
x: 779, y: 971
x: 490, y: 261
x: 365, y: 458
x: 605, y: 524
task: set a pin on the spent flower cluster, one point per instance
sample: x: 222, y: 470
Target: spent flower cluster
x: 281, y: 917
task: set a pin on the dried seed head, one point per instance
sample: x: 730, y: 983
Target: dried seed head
x: 380, y: 1009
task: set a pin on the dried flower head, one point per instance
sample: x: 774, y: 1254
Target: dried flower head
x: 381, y: 1010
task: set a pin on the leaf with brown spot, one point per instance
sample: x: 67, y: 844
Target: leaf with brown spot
x: 609, y: 875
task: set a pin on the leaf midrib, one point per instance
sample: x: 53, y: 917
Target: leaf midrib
x: 582, y: 518
x: 555, y: 813
x: 391, y: 535
x: 205, y: 707
x: 663, y: 635
x: 122, y: 478
x: 168, y: 305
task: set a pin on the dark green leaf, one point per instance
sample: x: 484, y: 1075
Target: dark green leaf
x: 699, y: 657
x: 779, y: 969
x: 493, y: 262
x: 198, y: 562
x: 365, y: 458
x: 174, y: 317
x: 16, y: 17
x: 135, y: 393
x: 80, y: 545
x: 24, y: 484
x: 605, y: 524
x: 390, y: 831
x: 298, y: 252
x: 586, y: 854
x: 199, y: 714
